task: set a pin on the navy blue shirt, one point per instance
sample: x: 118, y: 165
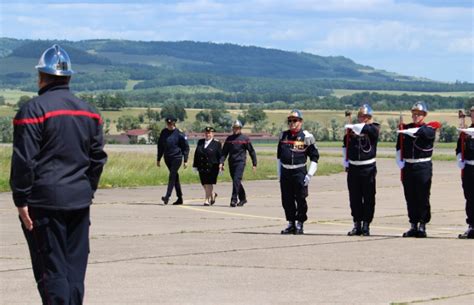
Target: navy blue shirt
x: 468, y: 146
x: 58, y: 153
x: 236, y: 147
x: 421, y: 146
x: 294, y: 149
x: 364, y: 146
x: 173, y: 144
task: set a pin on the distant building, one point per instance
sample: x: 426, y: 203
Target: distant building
x: 141, y: 136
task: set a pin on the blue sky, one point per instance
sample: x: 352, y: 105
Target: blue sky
x: 425, y: 38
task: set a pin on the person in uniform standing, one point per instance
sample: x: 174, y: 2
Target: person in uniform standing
x: 359, y: 152
x: 207, y: 157
x: 57, y: 161
x: 173, y: 145
x: 295, y: 146
x: 236, y: 147
x: 416, y: 140
x: 466, y: 164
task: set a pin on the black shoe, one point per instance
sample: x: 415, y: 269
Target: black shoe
x: 165, y: 199
x: 233, y: 204
x: 413, y: 232
x: 290, y: 229
x: 213, y: 199
x: 421, y: 231
x: 242, y: 202
x: 357, y: 230
x: 299, y: 228
x: 179, y: 201
x: 365, y: 228
x: 469, y: 234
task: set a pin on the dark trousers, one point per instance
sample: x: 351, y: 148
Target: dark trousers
x: 59, y: 248
x: 237, y: 172
x: 173, y: 179
x: 417, y: 188
x: 294, y: 193
x: 361, y: 185
x: 468, y: 187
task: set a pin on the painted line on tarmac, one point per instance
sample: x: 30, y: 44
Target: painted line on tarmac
x: 230, y: 213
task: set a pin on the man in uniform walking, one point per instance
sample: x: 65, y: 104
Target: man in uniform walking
x: 173, y: 145
x: 465, y: 156
x: 294, y: 148
x: 359, y: 152
x: 236, y: 147
x: 417, y: 139
x: 57, y: 161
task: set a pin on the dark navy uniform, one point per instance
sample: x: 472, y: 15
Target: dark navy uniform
x: 207, y: 159
x: 57, y: 160
x: 418, y: 171
x: 468, y: 179
x: 362, y: 170
x: 236, y: 147
x: 293, y: 151
x: 173, y: 145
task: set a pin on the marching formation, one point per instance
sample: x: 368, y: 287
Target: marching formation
x: 58, y: 158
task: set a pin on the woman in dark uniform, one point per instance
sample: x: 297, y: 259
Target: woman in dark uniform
x: 206, y: 162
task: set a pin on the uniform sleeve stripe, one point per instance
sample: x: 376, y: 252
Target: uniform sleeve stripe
x: 56, y: 113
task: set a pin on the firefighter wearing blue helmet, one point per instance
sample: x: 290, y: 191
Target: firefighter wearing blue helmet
x: 57, y: 161
x: 295, y: 146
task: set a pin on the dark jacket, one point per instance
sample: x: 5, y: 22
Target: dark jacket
x: 173, y: 144
x: 294, y: 149
x: 364, y: 146
x: 421, y: 146
x: 236, y: 147
x: 468, y: 146
x: 58, y: 153
x: 205, y: 158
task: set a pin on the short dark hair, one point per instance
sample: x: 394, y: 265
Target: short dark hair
x: 49, y: 78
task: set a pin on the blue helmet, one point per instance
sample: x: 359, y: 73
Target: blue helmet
x: 295, y: 113
x: 55, y: 61
x: 365, y: 110
x: 237, y: 124
x: 420, y: 106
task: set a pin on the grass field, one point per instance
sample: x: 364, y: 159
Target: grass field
x: 132, y: 169
x: 12, y: 96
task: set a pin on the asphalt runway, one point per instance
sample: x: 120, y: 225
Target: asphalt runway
x: 143, y: 252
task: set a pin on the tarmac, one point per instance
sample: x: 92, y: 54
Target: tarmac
x: 143, y: 252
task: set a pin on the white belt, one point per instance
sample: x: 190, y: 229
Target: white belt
x: 417, y: 160
x: 365, y: 162
x: 293, y: 166
x: 470, y: 162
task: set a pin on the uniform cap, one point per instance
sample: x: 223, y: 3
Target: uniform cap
x: 209, y: 129
x: 295, y: 113
x: 237, y: 124
x: 55, y: 61
x: 170, y: 119
x: 365, y: 110
x: 420, y: 106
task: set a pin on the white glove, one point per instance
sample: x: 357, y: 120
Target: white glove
x: 409, y: 132
x: 195, y: 169
x: 307, y: 179
x: 344, y: 162
x: 313, y: 167
x: 461, y: 163
x: 356, y: 128
x: 469, y: 131
x: 400, y: 163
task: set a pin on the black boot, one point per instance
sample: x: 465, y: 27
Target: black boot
x: 299, y: 228
x: 290, y: 229
x: 165, y: 199
x: 233, y: 204
x: 469, y: 234
x: 357, y: 230
x: 413, y: 232
x: 179, y: 201
x: 242, y: 202
x: 365, y: 228
x: 422, y: 230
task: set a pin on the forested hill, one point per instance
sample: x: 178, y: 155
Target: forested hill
x: 119, y: 64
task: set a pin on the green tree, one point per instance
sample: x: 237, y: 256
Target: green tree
x: 6, y: 129
x: 448, y: 133
x: 255, y: 114
x: 127, y: 122
x: 155, y: 130
x: 2, y: 100
x: 22, y: 101
x: 173, y: 109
